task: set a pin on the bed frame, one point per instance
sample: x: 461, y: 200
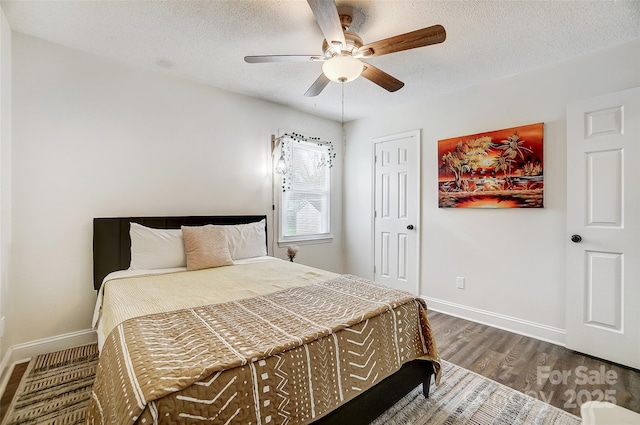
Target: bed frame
x: 112, y: 251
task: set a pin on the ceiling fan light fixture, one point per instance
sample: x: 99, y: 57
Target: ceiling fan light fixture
x: 342, y: 69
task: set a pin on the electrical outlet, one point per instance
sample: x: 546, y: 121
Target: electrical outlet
x: 460, y: 282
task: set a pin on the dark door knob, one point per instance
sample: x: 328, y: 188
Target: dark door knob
x: 410, y: 227
x: 576, y: 238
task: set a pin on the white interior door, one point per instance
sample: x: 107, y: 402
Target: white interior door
x: 397, y: 211
x: 603, y: 223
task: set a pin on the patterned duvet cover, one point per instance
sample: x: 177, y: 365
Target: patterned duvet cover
x: 288, y: 357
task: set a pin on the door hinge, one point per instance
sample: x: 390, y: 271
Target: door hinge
x: 374, y: 269
x: 375, y: 214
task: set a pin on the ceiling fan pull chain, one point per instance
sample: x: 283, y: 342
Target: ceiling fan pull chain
x: 342, y: 116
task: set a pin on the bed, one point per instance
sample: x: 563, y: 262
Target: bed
x: 285, y: 350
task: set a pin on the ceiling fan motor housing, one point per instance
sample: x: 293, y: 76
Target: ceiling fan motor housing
x: 353, y: 43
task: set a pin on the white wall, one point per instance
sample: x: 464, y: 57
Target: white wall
x: 513, y: 260
x: 94, y: 138
x: 5, y: 166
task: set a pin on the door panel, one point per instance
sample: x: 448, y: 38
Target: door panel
x: 604, y: 290
x: 604, y: 190
x: 603, y: 208
x: 385, y: 255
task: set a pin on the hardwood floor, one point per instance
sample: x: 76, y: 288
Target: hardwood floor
x: 548, y: 372
x: 540, y: 369
x: 12, y: 386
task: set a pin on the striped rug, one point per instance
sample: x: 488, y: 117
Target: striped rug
x: 55, y: 390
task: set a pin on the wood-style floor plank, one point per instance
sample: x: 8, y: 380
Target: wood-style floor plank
x: 532, y: 366
x: 12, y: 386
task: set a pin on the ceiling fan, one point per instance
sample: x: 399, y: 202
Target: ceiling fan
x: 343, y: 50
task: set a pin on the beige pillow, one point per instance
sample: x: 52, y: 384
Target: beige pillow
x: 206, y: 247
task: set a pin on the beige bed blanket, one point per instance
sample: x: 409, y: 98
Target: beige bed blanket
x: 288, y: 357
x: 125, y: 298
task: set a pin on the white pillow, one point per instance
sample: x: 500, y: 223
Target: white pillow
x: 246, y: 240
x: 156, y: 248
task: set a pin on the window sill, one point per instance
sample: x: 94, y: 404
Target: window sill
x: 305, y: 241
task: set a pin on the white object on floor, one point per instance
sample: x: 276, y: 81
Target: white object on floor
x: 604, y: 413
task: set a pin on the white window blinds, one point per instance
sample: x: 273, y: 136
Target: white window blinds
x: 305, y: 199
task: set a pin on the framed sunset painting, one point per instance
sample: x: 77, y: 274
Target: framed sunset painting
x: 497, y: 169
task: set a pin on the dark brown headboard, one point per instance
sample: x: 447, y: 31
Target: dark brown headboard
x: 112, y: 244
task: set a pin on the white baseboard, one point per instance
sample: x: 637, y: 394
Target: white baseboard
x: 501, y: 321
x: 23, y: 352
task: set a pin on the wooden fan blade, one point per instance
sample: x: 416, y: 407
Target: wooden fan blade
x: 326, y: 14
x: 282, y: 58
x: 317, y: 86
x: 419, y: 38
x: 381, y: 78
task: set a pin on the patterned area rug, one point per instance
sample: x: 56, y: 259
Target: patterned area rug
x: 464, y: 397
x: 55, y: 390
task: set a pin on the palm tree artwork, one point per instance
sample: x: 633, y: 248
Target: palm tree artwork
x: 497, y: 169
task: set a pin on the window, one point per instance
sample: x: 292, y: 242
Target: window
x: 305, y: 198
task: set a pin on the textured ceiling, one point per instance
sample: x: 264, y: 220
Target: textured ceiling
x: 206, y: 41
